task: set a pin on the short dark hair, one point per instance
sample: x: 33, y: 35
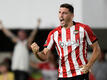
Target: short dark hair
x: 68, y: 6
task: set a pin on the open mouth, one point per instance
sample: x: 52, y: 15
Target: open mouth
x: 61, y: 19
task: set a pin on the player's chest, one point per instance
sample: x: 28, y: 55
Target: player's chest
x: 69, y: 37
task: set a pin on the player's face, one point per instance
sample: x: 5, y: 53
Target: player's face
x: 65, y: 16
x: 22, y: 35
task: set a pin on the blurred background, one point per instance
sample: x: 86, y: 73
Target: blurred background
x: 36, y: 18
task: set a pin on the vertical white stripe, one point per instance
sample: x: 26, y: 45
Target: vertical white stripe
x: 65, y: 49
x: 73, y: 54
x: 88, y: 39
x: 81, y: 32
x: 50, y: 43
x: 56, y: 40
x: 86, y: 48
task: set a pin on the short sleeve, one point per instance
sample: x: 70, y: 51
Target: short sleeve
x: 90, y: 36
x: 50, y: 41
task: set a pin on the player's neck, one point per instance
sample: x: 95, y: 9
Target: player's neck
x: 69, y: 25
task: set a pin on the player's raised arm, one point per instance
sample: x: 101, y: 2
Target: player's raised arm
x: 8, y: 33
x: 33, y: 33
x: 43, y: 55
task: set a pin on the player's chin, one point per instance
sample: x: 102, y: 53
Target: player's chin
x: 62, y: 24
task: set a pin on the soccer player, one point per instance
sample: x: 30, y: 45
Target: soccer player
x: 70, y: 39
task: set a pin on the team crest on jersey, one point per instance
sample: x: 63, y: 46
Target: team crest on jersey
x: 76, y: 32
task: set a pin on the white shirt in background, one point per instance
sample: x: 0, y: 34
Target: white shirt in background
x: 20, y: 60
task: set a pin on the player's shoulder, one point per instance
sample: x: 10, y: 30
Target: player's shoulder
x: 54, y: 30
x: 85, y: 26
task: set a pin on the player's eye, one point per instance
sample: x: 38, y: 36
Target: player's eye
x: 59, y: 11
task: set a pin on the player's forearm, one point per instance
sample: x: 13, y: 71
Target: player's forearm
x: 31, y: 38
x: 41, y: 56
x: 94, y: 56
x: 7, y: 33
x: 33, y: 33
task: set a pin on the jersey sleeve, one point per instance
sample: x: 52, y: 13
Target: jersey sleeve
x: 90, y: 36
x: 50, y: 41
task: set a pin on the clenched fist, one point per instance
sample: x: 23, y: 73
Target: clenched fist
x: 85, y: 69
x: 35, y: 48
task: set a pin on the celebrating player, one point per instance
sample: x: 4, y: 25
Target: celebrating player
x: 70, y: 39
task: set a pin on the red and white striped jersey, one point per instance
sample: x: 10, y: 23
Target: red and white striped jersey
x: 71, y: 45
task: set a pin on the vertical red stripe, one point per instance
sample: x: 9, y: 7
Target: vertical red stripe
x: 84, y: 47
x: 77, y: 38
x: 58, y: 36
x: 62, y: 60
x: 53, y: 45
x: 68, y: 38
x: 48, y: 39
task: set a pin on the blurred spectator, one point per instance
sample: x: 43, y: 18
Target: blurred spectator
x: 48, y: 68
x: 8, y: 60
x: 20, y: 59
x: 100, y: 68
x: 5, y: 74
